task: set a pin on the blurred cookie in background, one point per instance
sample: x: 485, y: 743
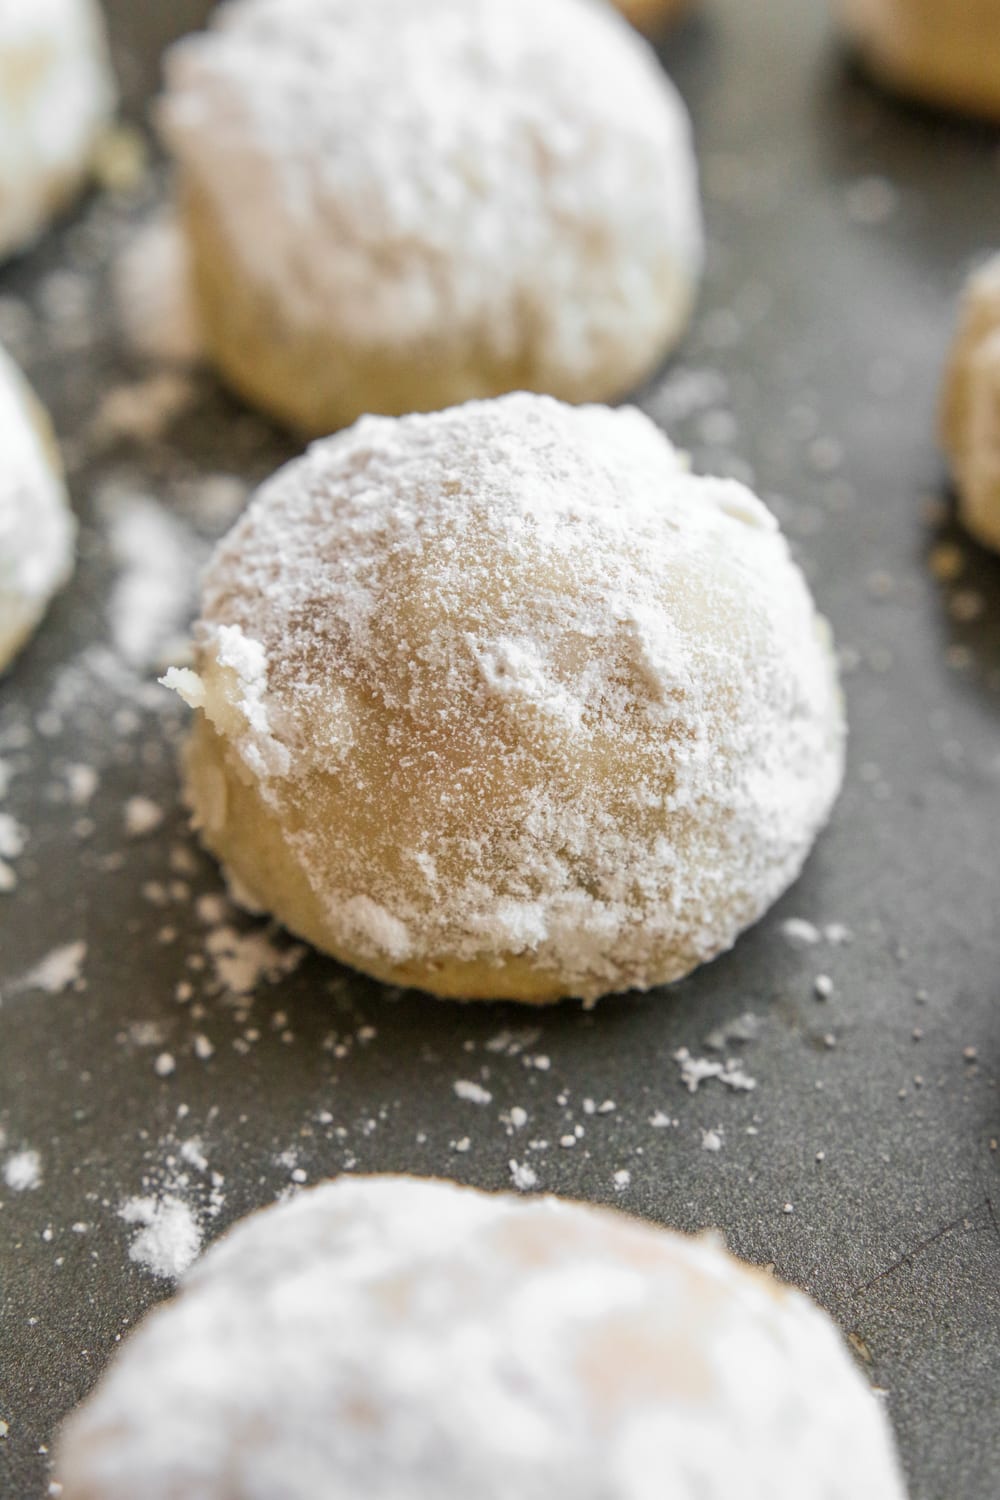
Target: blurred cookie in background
x: 57, y: 96
x: 970, y: 407
x: 651, y: 15
x: 942, y: 52
x: 397, y: 207
x: 37, y: 529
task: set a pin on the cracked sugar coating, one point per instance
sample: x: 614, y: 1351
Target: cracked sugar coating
x: 37, y: 529
x: 945, y: 52
x: 502, y: 702
x: 970, y: 410
x: 57, y: 94
x: 406, y: 1340
x: 395, y: 207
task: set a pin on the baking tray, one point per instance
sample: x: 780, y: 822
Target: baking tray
x: 863, y: 1164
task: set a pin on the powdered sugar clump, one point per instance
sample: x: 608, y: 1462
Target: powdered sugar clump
x: 23, y: 1171
x: 57, y: 971
x: 181, y: 1194
x: 696, y: 1070
x: 169, y: 1239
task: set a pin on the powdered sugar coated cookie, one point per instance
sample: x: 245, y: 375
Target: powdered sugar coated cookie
x: 503, y: 702
x: 37, y: 529
x: 56, y: 96
x: 407, y: 1340
x: 396, y: 207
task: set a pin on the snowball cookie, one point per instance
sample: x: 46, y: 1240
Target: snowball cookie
x: 396, y: 206
x: 37, y: 529
x: 404, y: 1340
x: 945, y: 52
x: 502, y: 702
x: 649, y: 15
x: 970, y: 408
x: 56, y: 96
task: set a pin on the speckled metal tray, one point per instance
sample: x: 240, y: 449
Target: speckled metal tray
x: 864, y: 1163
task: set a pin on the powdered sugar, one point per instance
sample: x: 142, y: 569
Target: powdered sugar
x: 23, y: 1171
x: 57, y: 971
x: 696, y: 1070
x: 642, y: 723
x: 152, y: 282
x: 159, y: 559
x: 169, y: 1238
x: 181, y: 1195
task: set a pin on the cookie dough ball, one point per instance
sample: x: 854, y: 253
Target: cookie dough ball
x: 57, y: 95
x: 37, y: 529
x: 970, y: 406
x: 400, y: 206
x: 502, y: 702
x: 650, y: 15
x: 407, y: 1340
x: 944, y: 52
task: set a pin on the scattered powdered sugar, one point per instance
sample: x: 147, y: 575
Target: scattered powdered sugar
x: 11, y: 837
x: 153, y: 292
x: 143, y: 411
x: 57, y: 971
x: 472, y: 1093
x: 801, y: 933
x: 159, y: 558
x: 745, y: 1028
x: 181, y: 1194
x: 142, y: 817
x: 523, y: 1177
x: 82, y: 782
x: 12, y: 842
x: 698, y: 1070
x: 684, y: 393
x: 169, y: 1238
x: 23, y: 1171
x: 241, y: 960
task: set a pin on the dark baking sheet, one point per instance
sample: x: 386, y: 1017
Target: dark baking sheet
x: 841, y: 228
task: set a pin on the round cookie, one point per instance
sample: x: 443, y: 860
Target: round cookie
x: 37, y: 529
x: 57, y: 95
x: 405, y: 1340
x: 650, y: 15
x: 944, y: 52
x: 970, y: 406
x: 501, y: 702
x: 398, y: 207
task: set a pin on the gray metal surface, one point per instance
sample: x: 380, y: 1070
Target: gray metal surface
x: 841, y: 227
